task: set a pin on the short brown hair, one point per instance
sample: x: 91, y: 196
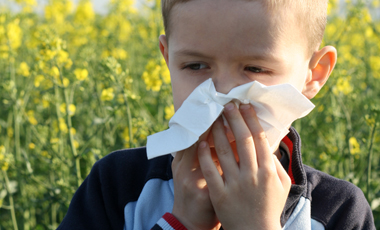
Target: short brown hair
x: 310, y: 14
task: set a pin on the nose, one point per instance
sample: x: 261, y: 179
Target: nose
x: 225, y: 80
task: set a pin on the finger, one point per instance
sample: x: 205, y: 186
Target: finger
x: 177, y: 158
x: 282, y: 174
x: 186, y: 159
x: 224, y: 151
x: 243, y: 137
x: 263, y: 153
x: 208, y: 168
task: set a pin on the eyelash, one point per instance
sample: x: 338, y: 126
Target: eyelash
x: 249, y: 68
x: 192, y: 65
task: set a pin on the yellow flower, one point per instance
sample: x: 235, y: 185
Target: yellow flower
x: 54, y: 140
x: 354, y: 146
x: 119, y: 53
x: 48, y: 54
x: 23, y: 69
x: 63, y: 126
x: 5, y: 166
x: 27, y: 2
x: 32, y: 120
x: 54, y: 72
x: 84, y: 12
x: 72, y: 109
x: 107, y: 94
x: 62, y: 57
x: 156, y: 74
x: 45, y: 103
x: 81, y: 74
x: 14, y: 34
x: 56, y: 11
x: 343, y: 86
x: 169, y: 112
x: 45, y: 154
x: 68, y: 64
x: 38, y: 79
x: 76, y: 144
x: 32, y: 146
x: 165, y: 73
x: 73, y: 131
x: 66, y: 82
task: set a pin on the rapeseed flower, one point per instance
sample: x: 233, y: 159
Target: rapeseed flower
x: 72, y: 109
x: 354, y: 146
x: 14, y: 34
x: 374, y: 62
x: 155, y: 75
x: 54, y: 72
x: 32, y: 120
x: 169, y: 112
x: 107, y: 94
x: 32, y: 146
x: 81, y: 74
x: 84, y: 12
x: 57, y: 10
x: 119, y: 53
x: 73, y: 131
x: 23, y: 69
x: 62, y: 125
x: 38, y: 79
x: 343, y: 86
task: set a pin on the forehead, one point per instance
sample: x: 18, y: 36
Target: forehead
x: 236, y: 26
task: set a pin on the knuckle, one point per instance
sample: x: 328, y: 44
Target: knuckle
x: 207, y: 172
x: 247, y: 140
x: 269, y: 172
x: 222, y: 150
x: 260, y: 136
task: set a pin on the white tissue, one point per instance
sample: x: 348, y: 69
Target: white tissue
x: 276, y: 107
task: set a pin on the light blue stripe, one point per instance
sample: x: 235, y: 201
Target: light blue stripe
x: 156, y: 198
x: 164, y: 225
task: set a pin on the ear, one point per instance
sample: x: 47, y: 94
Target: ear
x: 320, y: 67
x: 164, y: 48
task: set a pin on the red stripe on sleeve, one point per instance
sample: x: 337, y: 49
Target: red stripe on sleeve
x: 173, y: 221
x: 289, y: 143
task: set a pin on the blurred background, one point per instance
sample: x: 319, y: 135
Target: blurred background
x: 80, y: 79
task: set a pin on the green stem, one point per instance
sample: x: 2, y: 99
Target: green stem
x: 71, y: 137
x: 11, y: 202
x: 369, y: 161
x: 131, y: 144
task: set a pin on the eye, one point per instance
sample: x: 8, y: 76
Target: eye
x: 195, y: 66
x: 254, y: 69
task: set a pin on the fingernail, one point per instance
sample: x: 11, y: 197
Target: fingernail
x: 202, y: 144
x: 229, y: 106
x: 244, y: 106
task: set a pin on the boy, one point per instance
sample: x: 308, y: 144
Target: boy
x: 236, y: 184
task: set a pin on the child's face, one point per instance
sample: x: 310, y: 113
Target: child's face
x: 232, y: 42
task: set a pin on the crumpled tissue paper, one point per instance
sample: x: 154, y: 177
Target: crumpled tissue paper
x: 276, y: 107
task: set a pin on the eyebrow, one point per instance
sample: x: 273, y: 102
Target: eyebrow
x: 187, y: 52
x: 263, y: 56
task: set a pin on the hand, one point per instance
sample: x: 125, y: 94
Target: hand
x: 253, y: 189
x: 192, y: 204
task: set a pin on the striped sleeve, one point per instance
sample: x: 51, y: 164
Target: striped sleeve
x: 168, y: 222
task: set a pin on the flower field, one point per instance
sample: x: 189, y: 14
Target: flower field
x: 76, y: 85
